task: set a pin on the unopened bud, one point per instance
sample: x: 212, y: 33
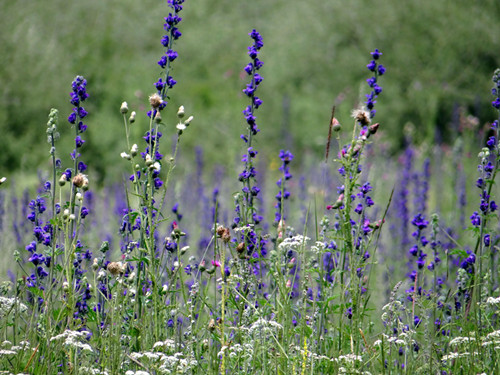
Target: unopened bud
x: 158, y: 117
x: 335, y: 124
x: 132, y: 117
x: 62, y: 180
x: 373, y: 128
x: 188, y: 121
x: 211, y: 325
x: 134, y: 150
x: 95, y: 265
x: 339, y: 202
x: 124, y: 108
x: 124, y: 155
x: 2, y: 180
x: 180, y: 112
x: 240, y: 248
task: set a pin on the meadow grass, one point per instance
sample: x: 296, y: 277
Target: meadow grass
x: 361, y: 262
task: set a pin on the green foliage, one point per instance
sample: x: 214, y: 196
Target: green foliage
x: 432, y: 51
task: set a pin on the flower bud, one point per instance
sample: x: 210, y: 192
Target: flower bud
x: 62, y: 180
x: 339, y: 202
x: 373, y: 128
x: 124, y: 108
x: 188, y: 121
x: 158, y: 117
x: 2, y: 180
x: 132, y: 117
x: 180, y: 112
x: 335, y: 125
x: 134, y: 150
x: 124, y: 155
x: 95, y: 265
x: 211, y: 325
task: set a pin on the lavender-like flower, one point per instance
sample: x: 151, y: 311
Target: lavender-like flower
x: 171, y: 27
x: 378, y: 70
x: 286, y: 157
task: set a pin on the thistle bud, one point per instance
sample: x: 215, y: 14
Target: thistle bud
x: 240, y: 248
x: 373, y: 128
x: 124, y: 108
x: 335, y: 124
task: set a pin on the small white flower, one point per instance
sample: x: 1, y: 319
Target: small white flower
x: 180, y: 126
x: 2, y: 180
x: 124, y: 108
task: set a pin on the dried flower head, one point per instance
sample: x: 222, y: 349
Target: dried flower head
x: 156, y: 101
x: 116, y: 268
x: 81, y: 181
x: 361, y: 116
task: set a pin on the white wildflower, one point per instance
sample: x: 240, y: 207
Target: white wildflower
x: 493, y: 301
x: 7, y: 306
x: 461, y: 340
x: 71, y: 339
x: 293, y: 242
x: 348, y: 358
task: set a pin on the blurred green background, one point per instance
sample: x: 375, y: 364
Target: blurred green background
x: 439, y: 55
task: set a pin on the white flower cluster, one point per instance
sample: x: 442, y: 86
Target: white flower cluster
x: 493, y: 301
x: 461, y: 340
x: 348, y: 358
x: 263, y: 326
x: 14, y: 349
x: 164, y: 364
x: 73, y: 339
x: 293, y: 242
x: 139, y: 372
x: 93, y: 371
x: 167, y: 344
x: 7, y: 306
x: 237, y: 350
